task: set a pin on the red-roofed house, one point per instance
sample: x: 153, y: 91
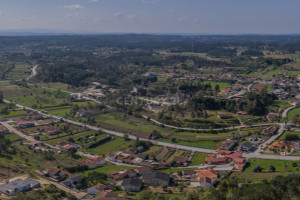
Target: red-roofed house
x: 23, y: 124
x: 207, y: 177
x: 279, y: 145
x: 239, y: 164
x: 94, y: 162
x: 228, y: 145
x: 273, y: 116
x: 215, y: 159
x: 234, y: 155
x: 270, y: 130
x: 57, y: 173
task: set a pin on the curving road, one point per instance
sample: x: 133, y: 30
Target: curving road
x: 165, y: 144
x: 215, y: 129
x: 132, y: 137
x: 33, y: 73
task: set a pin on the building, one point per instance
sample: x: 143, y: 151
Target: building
x: 228, y: 145
x: 253, y: 138
x: 247, y: 146
x: 57, y: 173
x: 67, y: 145
x: 82, y: 113
x: 295, y: 145
x: 297, y: 103
x: 270, y: 130
x: 239, y: 164
x: 73, y: 180
x: 96, y: 189
x: 181, y: 160
x: 216, y: 159
x: 132, y: 184
x: 151, y: 74
x: 207, y: 177
x: 279, y: 146
x: 188, y: 174
x: 122, y: 174
x: 144, y: 170
x: 23, y: 124
x: 19, y: 185
x: 94, y: 162
x: 156, y: 178
x: 74, y: 96
x: 273, y: 116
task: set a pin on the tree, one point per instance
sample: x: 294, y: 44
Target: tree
x: 272, y: 168
x: 96, y: 177
x: 257, y: 169
x: 164, y: 187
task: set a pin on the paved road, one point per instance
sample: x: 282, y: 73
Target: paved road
x: 286, y: 111
x: 27, y: 137
x: 215, y: 129
x: 280, y: 131
x: 274, y: 137
x: 132, y: 137
x: 272, y: 157
x: 165, y: 144
x: 19, y: 133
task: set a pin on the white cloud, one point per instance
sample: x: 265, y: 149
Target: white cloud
x: 119, y: 15
x: 74, y: 7
x: 25, y: 18
x: 94, y: 0
x: 181, y: 19
x: 131, y: 17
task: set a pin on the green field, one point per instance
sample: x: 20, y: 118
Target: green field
x: 281, y: 104
x: 154, y: 150
x: 290, y: 73
x: 222, y: 85
x: 12, y: 136
x: 21, y: 71
x: 117, y: 144
x: 78, y: 136
x: 14, y: 113
x: 289, y: 132
x: 198, y: 158
x: 10, y: 91
x: 39, y: 101
x: 294, y: 113
x: 280, y: 165
x: 60, y: 112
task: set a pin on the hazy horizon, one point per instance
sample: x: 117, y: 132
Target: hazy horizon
x: 214, y: 17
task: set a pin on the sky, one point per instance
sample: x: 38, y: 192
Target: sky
x: 152, y: 16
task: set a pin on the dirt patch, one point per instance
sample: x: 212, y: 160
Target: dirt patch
x: 257, y: 87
